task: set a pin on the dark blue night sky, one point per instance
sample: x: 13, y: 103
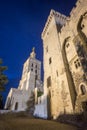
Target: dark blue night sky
x: 21, y: 25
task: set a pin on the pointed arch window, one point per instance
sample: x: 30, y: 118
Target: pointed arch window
x: 32, y: 65
x: 49, y: 81
x: 46, y: 49
x: 50, y: 60
x: 35, y: 71
x: 67, y: 45
x: 83, y: 89
x: 16, y: 105
x: 57, y: 73
x: 77, y: 63
x: 31, y: 69
x: 35, y: 66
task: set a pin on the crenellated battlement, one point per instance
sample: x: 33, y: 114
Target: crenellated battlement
x: 77, y: 5
x: 52, y: 14
x: 60, y: 17
x: 74, y: 12
x: 79, y: 2
x: 64, y: 27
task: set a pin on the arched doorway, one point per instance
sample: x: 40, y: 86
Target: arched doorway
x: 16, y: 105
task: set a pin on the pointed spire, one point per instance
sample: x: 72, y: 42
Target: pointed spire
x: 33, y: 54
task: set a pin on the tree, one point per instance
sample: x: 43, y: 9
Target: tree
x: 1, y: 102
x: 3, y: 81
x: 31, y: 103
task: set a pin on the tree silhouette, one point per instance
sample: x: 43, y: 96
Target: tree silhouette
x: 3, y: 82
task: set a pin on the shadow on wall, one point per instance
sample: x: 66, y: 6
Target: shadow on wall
x: 79, y: 120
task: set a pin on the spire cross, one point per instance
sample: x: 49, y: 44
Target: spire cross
x: 32, y: 54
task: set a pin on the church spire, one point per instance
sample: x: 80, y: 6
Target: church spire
x: 33, y: 54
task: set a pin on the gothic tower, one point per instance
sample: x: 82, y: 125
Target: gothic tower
x: 65, y: 61
x: 31, y: 79
x: 55, y: 80
x: 31, y: 73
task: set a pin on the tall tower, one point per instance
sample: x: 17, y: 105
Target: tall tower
x: 31, y: 79
x: 31, y: 73
x: 55, y: 79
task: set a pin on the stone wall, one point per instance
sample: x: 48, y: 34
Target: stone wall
x: 63, y: 68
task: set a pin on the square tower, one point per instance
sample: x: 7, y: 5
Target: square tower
x: 56, y: 85
x: 31, y: 73
x: 31, y: 79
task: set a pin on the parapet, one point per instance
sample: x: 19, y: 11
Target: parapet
x: 78, y: 3
x: 52, y: 13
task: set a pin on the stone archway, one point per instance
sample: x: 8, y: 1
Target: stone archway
x: 68, y: 74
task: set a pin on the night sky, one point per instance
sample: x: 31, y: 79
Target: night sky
x: 21, y: 25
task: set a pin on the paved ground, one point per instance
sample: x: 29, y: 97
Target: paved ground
x: 22, y: 122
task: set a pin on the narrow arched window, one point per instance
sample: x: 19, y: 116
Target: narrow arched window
x: 32, y: 65
x: 16, y: 105
x: 83, y: 89
x: 35, y: 66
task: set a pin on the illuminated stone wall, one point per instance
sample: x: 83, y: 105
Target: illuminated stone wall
x: 65, y: 62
